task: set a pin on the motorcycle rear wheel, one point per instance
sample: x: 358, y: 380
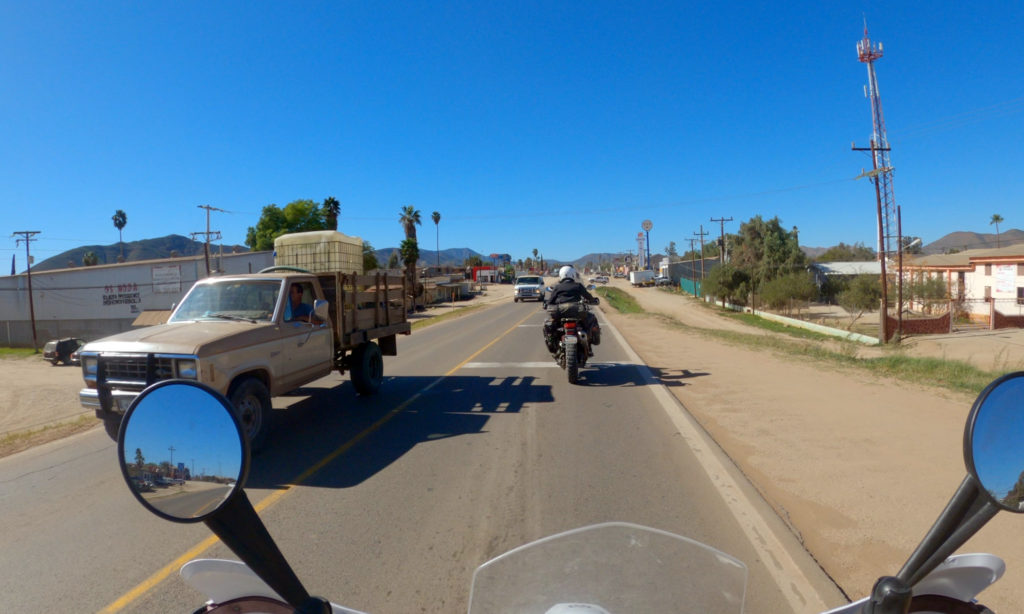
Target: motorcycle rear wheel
x: 572, y: 367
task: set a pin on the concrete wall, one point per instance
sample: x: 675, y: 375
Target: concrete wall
x: 94, y: 302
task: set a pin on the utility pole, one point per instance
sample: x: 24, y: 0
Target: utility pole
x: 208, y: 233
x: 28, y: 234
x: 701, y: 235
x: 721, y: 221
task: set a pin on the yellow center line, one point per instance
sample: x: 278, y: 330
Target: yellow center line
x: 149, y: 583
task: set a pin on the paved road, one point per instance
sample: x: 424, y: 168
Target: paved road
x: 476, y: 444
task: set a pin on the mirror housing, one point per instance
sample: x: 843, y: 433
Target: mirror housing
x: 191, y: 420
x: 992, y: 449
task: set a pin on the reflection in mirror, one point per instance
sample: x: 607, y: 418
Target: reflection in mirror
x: 995, y: 451
x: 182, y: 450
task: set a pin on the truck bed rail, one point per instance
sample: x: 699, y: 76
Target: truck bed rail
x: 365, y: 307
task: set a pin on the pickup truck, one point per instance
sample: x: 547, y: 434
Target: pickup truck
x: 528, y: 287
x: 241, y: 336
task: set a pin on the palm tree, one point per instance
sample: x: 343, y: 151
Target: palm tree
x: 90, y: 259
x: 409, y: 220
x: 332, y: 209
x: 996, y: 219
x: 120, y: 221
x: 437, y: 228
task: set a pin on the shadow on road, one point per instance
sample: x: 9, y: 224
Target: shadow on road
x: 675, y: 377
x: 610, y: 374
x: 323, y: 420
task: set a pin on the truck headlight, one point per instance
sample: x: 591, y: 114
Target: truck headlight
x: 187, y: 369
x: 89, y: 364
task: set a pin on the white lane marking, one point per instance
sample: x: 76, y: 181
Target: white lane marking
x: 785, y: 572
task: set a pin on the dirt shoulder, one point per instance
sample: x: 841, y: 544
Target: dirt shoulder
x: 859, y: 466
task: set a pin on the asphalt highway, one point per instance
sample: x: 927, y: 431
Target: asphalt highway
x: 475, y: 444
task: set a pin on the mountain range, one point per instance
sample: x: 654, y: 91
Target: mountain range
x: 177, y: 245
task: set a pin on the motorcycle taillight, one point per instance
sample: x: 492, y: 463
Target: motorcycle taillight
x: 570, y: 326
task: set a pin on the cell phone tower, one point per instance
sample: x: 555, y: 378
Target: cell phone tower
x: 881, y: 173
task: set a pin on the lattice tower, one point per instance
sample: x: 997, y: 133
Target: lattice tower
x: 881, y: 175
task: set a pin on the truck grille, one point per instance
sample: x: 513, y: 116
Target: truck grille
x: 135, y: 368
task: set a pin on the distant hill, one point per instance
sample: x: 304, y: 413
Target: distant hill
x: 962, y: 240
x: 813, y: 252
x: 453, y: 257
x: 144, y: 249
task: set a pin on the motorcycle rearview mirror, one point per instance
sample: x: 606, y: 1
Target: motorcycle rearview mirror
x: 198, y: 425
x: 992, y: 442
x: 994, y: 482
x: 182, y: 418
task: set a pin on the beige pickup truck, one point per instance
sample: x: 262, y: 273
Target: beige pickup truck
x: 253, y: 337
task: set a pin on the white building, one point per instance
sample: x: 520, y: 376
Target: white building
x: 982, y: 279
x: 97, y: 301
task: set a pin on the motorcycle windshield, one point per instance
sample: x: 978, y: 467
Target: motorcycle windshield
x: 614, y: 568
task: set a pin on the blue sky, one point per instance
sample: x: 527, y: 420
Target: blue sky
x: 559, y: 126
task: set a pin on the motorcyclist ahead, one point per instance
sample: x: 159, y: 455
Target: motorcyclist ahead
x: 568, y: 290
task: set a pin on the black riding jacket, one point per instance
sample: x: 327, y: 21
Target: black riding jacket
x: 568, y: 291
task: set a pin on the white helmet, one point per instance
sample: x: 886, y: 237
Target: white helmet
x: 567, y: 272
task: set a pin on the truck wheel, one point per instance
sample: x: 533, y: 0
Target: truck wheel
x: 251, y: 401
x: 367, y: 368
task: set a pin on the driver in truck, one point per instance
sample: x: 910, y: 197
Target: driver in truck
x: 298, y: 311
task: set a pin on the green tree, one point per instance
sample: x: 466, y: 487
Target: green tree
x: 765, y: 251
x: 332, y: 210
x: 863, y: 293
x: 473, y: 261
x: 727, y: 282
x: 369, y: 257
x: 671, y: 253
x: 410, y: 252
x: 783, y: 292
x: 409, y: 219
x: 997, y: 220
x: 393, y: 260
x: 297, y: 216
x: 120, y: 221
x: 140, y: 460
x: 436, y: 216
x: 90, y: 259
x: 847, y: 253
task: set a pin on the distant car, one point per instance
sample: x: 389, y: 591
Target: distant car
x: 62, y: 350
x: 661, y: 280
x: 528, y: 287
x: 601, y: 279
x: 619, y: 275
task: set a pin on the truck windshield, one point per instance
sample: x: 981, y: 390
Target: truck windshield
x: 230, y: 300
x: 528, y: 281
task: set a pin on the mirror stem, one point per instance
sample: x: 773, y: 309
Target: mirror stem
x: 967, y: 511
x: 240, y: 528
